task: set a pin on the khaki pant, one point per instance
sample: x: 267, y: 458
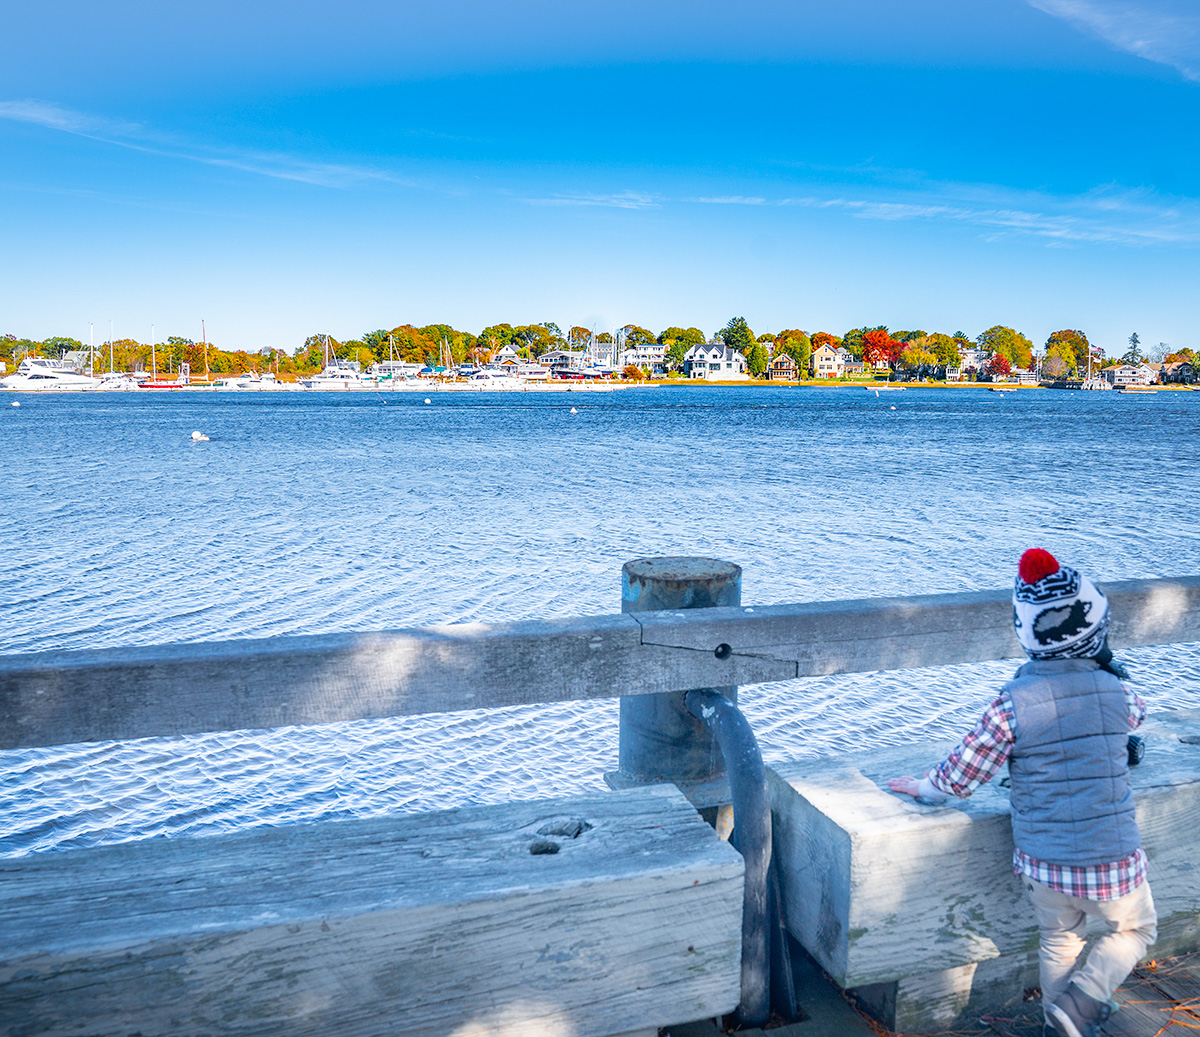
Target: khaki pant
x: 1062, y: 921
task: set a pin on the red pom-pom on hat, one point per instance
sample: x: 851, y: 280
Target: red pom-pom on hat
x: 1036, y: 564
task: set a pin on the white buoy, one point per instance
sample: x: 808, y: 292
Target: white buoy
x: 893, y: 408
x: 16, y: 403
x: 199, y: 437
x: 574, y: 411
x: 428, y: 400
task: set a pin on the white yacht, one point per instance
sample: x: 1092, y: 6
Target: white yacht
x: 395, y: 374
x: 493, y: 380
x: 248, y: 381
x: 116, y: 381
x: 42, y: 374
x: 340, y: 375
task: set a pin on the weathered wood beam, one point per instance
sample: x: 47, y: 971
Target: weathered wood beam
x: 917, y: 907
x: 591, y: 915
x: 52, y: 698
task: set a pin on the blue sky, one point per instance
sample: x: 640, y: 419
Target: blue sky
x: 280, y: 169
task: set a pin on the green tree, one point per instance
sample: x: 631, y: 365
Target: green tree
x: 688, y: 336
x: 1072, y: 346
x: 1010, y: 344
x: 579, y: 337
x: 797, y: 345
x: 946, y: 350
x: 757, y: 360
x: 676, y: 351
x: 737, y: 335
x: 497, y: 335
x: 1133, y: 355
x: 916, y: 358
x: 635, y: 336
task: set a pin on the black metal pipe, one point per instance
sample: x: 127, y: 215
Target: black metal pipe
x: 751, y: 838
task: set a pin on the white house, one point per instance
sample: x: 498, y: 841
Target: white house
x: 1121, y: 375
x: 648, y: 355
x: 714, y: 361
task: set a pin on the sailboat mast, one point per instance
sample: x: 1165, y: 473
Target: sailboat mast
x: 204, y: 336
x: 111, y: 336
x: 91, y: 349
x: 153, y: 359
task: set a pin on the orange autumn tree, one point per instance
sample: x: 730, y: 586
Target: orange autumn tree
x: 880, y: 348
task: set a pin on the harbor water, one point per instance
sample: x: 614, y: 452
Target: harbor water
x: 319, y: 512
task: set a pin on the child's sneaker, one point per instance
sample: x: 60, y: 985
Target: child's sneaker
x: 1075, y: 1014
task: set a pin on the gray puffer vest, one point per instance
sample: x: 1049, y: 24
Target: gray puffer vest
x: 1071, y: 801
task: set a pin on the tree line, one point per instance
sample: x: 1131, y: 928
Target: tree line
x: 917, y: 353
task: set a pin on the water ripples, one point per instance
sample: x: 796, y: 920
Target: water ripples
x: 306, y: 514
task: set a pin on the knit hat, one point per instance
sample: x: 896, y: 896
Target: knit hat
x: 1057, y: 613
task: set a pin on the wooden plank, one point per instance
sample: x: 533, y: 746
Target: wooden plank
x: 423, y: 924
x: 56, y: 697
x: 1144, y: 1012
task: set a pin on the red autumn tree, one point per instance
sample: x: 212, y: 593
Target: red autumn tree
x: 880, y: 348
x: 999, y: 364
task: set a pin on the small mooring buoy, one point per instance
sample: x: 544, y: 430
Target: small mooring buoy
x: 893, y: 408
x: 428, y: 400
x: 16, y: 403
x: 574, y: 411
x: 199, y: 437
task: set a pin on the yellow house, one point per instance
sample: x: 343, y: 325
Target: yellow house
x: 828, y: 362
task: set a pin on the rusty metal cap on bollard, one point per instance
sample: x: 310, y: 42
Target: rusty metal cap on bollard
x: 681, y: 569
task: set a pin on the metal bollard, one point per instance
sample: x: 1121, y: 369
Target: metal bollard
x: 659, y: 739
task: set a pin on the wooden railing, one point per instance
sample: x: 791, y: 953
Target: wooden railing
x: 606, y: 914
x: 52, y: 698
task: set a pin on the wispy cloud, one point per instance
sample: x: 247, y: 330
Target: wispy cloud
x: 731, y: 199
x: 1164, y: 31
x: 1107, y: 215
x: 620, y: 200
x: 136, y: 137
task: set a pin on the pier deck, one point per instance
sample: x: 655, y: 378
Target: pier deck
x: 1160, y: 999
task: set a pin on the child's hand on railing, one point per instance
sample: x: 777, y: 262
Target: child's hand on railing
x: 906, y: 785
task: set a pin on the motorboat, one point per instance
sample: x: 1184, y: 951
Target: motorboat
x: 116, y: 381
x: 1002, y: 388
x: 340, y: 375
x: 45, y: 374
x: 494, y: 380
x: 180, y: 381
x: 248, y: 381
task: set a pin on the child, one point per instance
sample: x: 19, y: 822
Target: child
x: 1062, y: 724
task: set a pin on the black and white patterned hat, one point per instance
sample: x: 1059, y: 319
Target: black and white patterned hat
x: 1057, y: 612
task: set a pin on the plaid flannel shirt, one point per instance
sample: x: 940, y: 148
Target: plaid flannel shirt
x: 979, y: 757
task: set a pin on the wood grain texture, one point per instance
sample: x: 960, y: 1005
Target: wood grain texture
x: 879, y: 888
x: 53, y: 698
x: 440, y: 923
